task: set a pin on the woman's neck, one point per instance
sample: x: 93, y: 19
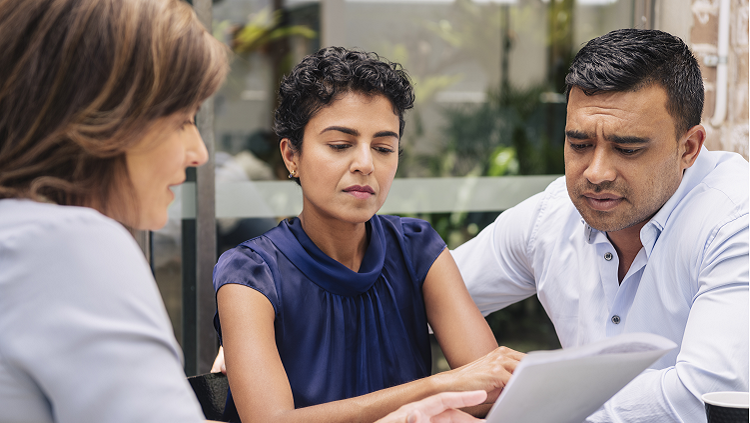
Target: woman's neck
x: 342, y: 241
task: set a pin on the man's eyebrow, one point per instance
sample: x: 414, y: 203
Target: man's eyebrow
x: 620, y: 139
x: 578, y: 135
x: 617, y: 139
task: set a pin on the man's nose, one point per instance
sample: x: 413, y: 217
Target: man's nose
x: 600, y: 168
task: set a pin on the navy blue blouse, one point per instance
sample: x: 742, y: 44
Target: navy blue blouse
x: 341, y: 333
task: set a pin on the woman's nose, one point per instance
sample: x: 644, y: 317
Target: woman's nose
x: 197, y: 154
x: 363, y: 162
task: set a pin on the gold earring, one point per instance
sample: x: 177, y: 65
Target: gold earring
x: 293, y: 174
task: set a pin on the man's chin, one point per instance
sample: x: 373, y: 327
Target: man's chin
x: 607, y: 223
x: 603, y: 221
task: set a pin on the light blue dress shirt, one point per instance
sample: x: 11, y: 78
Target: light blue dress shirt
x: 84, y: 335
x: 688, y: 283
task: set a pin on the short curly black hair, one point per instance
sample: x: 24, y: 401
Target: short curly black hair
x: 321, y: 78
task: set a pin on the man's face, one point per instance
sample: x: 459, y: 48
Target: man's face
x: 622, y: 160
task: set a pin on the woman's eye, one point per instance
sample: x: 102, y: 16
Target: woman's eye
x: 385, y: 150
x: 339, y: 146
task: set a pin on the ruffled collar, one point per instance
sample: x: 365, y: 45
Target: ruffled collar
x: 324, y: 271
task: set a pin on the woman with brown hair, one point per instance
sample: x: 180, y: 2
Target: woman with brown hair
x: 97, y: 106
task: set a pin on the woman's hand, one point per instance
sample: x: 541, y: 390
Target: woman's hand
x: 489, y: 373
x: 441, y: 408
x: 219, y: 365
x: 464, y: 335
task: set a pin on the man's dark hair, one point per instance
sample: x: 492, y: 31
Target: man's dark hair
x: 325, y: 76
x: 631, y: 59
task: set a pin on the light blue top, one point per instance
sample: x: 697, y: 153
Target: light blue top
x: 689, y: 283
x: 84, y: 335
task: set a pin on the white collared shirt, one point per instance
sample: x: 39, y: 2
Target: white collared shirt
x: 689, y: 283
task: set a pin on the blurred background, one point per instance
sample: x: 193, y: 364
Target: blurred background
x: 486, y: 131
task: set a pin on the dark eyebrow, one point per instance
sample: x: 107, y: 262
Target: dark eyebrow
x: 348, y: 131
x: 578, y: 135
x: 617, y: 139
x: 383, y: 134
x: 354, y: 132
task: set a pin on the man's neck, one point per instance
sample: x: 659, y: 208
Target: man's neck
x: 627, y: 243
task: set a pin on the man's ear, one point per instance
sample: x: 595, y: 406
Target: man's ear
x: 691, y: 144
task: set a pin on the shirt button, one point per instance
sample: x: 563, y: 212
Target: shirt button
x: 616, y: 319
x: 608, y: 256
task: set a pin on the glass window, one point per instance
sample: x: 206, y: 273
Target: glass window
x: 490, y: 106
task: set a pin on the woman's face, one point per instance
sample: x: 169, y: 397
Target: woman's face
x: 348, y: 158
x: 158, y: 162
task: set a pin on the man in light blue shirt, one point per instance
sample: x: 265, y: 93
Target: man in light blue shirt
x: 647, y: 231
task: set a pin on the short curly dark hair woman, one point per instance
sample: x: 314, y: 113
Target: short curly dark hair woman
x: 321, y: 78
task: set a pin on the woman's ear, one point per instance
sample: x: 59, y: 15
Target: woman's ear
x: 288, y: 154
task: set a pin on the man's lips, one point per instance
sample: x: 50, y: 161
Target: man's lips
x: 360, y: 191
x: 602, y: 202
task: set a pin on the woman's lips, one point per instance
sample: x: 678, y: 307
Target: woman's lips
x: 361, y: 192
x: 602, y: 202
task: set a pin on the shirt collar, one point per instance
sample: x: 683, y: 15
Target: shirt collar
x: 588, y: 232
x: 591, y: 235
x: 690, y: 179
x: 324, y: 271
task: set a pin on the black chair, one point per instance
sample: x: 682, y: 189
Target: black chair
x: 211, y: 390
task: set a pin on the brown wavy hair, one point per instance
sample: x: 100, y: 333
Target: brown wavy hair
x: 82, y: 80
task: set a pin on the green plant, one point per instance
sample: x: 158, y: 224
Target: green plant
x: 266, y: 35
x: 262, y: 29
